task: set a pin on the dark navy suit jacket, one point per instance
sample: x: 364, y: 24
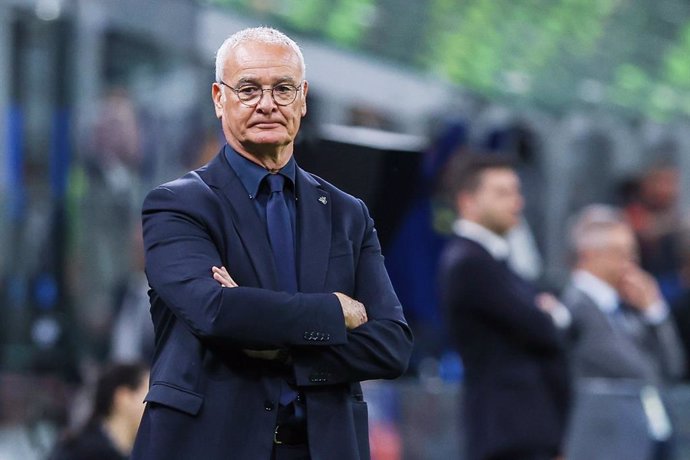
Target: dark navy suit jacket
x: 208, y: 400
x: 516, y: 389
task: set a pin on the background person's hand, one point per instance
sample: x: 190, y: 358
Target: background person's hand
x: 547, y: 302
x: 638, y: 288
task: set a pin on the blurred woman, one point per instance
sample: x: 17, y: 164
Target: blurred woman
x: 117, y: 408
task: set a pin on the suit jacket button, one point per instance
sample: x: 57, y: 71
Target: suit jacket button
x: 269, y: 405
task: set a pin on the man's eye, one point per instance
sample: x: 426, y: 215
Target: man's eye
x: 284, y: 89
x: 248, y: 90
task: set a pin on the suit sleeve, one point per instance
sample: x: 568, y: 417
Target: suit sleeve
x: 472, y: 284
x: 180, y: 252
x: 379, y: 348
x: 670, y: 349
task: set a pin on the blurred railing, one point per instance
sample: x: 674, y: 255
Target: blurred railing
x: 410, y: 419
x: 610, y: 420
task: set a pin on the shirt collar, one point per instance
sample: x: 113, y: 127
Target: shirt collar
x: 603, y: 294
x: 496, y: 245
x: 251, y: 174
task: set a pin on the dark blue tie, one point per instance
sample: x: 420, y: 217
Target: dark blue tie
x: 280, y: 234
x: 279, y: 229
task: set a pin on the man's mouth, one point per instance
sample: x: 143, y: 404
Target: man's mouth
x: 266, y: 125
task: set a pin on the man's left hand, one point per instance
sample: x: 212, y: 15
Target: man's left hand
x: 223, y: 277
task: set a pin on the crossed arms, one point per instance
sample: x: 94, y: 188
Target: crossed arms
x: 354, y: 312
x: 368, y: 338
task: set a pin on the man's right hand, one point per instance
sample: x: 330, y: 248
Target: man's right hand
x: 639, y: 289
x: 354, y: 312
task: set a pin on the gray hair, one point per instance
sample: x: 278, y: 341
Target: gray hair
x: 267, y: 35
x: 591, y: 226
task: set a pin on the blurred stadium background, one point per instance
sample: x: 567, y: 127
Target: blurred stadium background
x: 100, y: 100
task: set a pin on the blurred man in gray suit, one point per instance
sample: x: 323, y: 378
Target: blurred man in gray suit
x: 621, y: 327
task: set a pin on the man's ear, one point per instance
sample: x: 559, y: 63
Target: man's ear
x: 464, y: 202
x: 217, y: 96
x: 305, y: 88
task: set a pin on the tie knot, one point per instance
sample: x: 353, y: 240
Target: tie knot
x: 275, y: 182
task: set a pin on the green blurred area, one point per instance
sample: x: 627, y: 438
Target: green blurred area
x: 629, y: 56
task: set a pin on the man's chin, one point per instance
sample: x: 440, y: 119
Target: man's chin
x: 504, y: 230
x: 265, y: 145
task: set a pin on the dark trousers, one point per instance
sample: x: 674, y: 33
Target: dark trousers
x: 286, y: 414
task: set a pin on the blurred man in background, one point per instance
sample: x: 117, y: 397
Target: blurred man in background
x: 117, y: 408
x: 621, y: 325
x: 516, y: 391
x: 132, y: 338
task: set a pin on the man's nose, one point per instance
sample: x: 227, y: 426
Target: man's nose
x: 266, y: 102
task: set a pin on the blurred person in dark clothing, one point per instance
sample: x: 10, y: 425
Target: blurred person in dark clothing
x: 621, y: 326
x: 653, y: 215
x: 117, y: 408
x: 132, y: 338
x: 108, y: 208
x: 516, y: 389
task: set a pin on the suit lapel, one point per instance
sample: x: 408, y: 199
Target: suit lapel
x: 314, y: 230
x: 218, y: 174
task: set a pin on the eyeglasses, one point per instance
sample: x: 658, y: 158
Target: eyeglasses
x: 250, y: 95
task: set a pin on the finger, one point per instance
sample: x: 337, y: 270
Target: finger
x: 224, y: 272
x: 229, y: 279
x: 225, y: 282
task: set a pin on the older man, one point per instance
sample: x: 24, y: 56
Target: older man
x: 621, y: 325
x: 265, y: 360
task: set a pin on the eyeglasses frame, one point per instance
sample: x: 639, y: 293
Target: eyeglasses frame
x: 298, y: 88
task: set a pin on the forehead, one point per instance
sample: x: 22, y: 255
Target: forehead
x: 498, y: 177
x: 262, y: 60
x: 622, y: 234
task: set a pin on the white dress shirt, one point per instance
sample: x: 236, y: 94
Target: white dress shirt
x: 496, y: 245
